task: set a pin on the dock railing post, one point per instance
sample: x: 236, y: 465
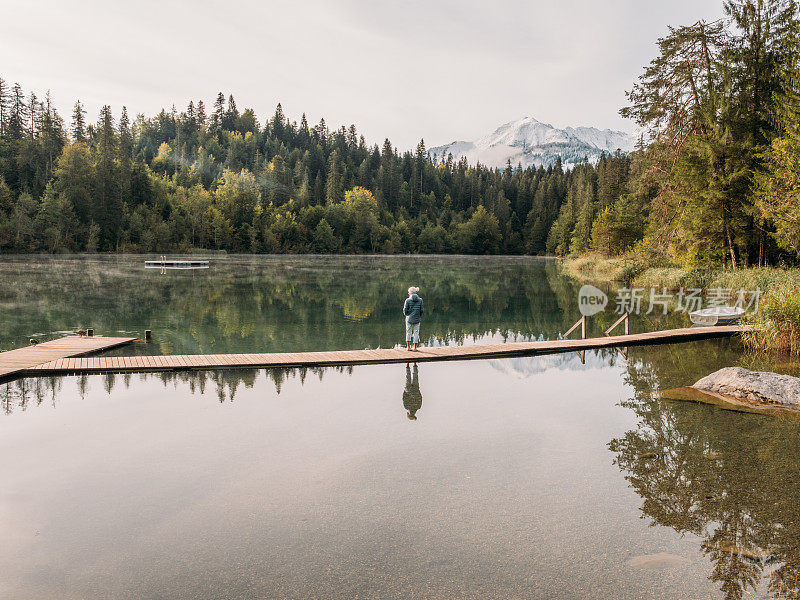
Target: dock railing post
x: 626, y: 318
x: 582, y: 323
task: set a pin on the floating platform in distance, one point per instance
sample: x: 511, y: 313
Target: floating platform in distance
x: 187, y: 362
x: 176, y: 264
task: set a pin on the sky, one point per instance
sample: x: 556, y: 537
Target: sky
x: 442, y: 70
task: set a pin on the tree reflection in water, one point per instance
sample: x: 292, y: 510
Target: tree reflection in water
x: 732, y: 478
x: 21, y: 394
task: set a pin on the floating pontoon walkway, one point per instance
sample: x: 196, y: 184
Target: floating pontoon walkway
x: 17, y: 362
x: 176, y: 264
x: 70, y: 348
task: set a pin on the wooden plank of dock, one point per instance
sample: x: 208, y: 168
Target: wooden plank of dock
x: 54, y: 352
x: 127, y: 364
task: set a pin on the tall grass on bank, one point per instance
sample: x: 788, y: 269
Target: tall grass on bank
x: 637, y: 272
x: 598, y: 268
x: 776, y: 325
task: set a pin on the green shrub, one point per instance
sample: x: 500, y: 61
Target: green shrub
x: 629, y: 271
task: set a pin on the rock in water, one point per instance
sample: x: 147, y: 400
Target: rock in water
x: 758, y: 386
x: 662, y: 560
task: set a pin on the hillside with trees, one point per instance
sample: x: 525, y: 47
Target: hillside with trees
x: 714, y: 182
x: 219, y: 179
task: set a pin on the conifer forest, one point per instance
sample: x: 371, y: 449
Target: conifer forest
x: 714, y: 180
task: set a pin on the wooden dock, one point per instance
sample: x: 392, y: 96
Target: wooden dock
x: 66, y: 354
x: 16, y: 362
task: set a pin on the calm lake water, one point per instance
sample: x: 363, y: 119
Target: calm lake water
x: 556, y: 476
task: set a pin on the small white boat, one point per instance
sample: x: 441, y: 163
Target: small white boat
x: 719, y: 315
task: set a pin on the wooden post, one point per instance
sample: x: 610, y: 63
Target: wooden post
x: 626, y: 318
x: 147, y: 335
x: 90, y: 332
x: 582, y: 323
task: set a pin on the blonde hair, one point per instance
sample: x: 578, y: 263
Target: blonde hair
x: 413, y: 290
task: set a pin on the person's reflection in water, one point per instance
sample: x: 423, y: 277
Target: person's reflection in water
x: 412, y: 397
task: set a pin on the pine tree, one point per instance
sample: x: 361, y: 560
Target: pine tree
x: 278, y: 125
x: 125, y: 138
x: 35, y: 114
x: 201, y: 113
x: 303, y: 134
x: 230, y: 116
x: 107, y: 202
x: 334, y: 190
x: 78, y: 128
x: 352, y: 138
x: 388, y: 183
x: 325, y: 240
x: 5, y: 104
x: 52, y: 136
x: 219, y: 113
x: 421, y: 159
x: 18, y: 114
x: 764, y: 58
x: 73, y: 178
x: 303, y: 189
x: 682, y: 99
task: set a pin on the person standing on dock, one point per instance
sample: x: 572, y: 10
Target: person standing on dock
x: 413, y: 309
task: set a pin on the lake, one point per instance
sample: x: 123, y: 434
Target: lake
x: 558, y: 476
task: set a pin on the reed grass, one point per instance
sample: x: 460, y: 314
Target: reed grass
x: 776, y: 325
x: 593, y: 267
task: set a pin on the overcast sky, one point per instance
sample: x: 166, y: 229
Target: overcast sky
x: 438, y: 69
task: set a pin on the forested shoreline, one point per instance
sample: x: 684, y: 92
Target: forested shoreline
x: 714, y: 183
x: 221, y: 181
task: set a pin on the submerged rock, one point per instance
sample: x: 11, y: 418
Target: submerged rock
x: 661, y: 560
x: 756, y: 386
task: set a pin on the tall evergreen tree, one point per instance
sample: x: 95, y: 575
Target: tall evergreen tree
x: 125, y: 137
x: 219, y: 113
x: 78, y: 128
x: 5, y: 104
x: 18, y: 114
x: 231, y: 115
x: 107, y: 201
x: 201, y: 113
x: 334, y: 189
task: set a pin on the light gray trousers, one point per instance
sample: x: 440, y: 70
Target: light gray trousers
x: 412, y: 332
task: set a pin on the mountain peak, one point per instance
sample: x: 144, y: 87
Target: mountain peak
x: 530, y: 142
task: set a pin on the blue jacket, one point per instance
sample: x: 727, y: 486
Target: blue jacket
x: 413, y: 309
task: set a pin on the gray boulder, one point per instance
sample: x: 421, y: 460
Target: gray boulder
x: 758, y: 386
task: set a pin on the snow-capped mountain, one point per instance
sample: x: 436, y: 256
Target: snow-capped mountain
x: 531, y: 142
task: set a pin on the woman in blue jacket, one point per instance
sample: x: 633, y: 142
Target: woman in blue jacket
x: 413, y: 310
